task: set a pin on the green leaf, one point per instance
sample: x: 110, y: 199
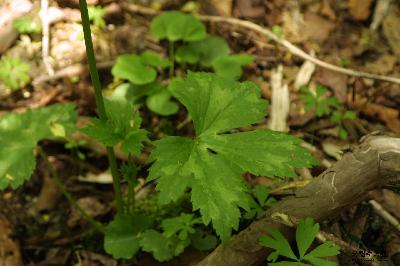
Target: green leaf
x: 133, y: 93
x: 202, y: 241
x: 187, y: 54
x: 181, y: 226
x: 323, y: 105
x: 14, y: 73
x: 230, y: 66
x: 131, y: 67
x: 336, y: 117
x: 122, y: 126
x: 26, y: 25
x: 161, y: 247
x: 326, y: 249
x: 20, y: 134
x: 153, y: 59
x: 96, y: 15
x: 122, y: 237
x: 350, y: 115
x: 261, y: 194
x: 211, y: 164
x: 288, y: 263
x: 161, y: 103
x: 306, y: 231
x: 279, y: 243
x: 178, y: 26
x: 204, y: 52
x: 343, y: 134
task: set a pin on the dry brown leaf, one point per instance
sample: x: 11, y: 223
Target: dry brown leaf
x: 388, y: 115
x: 336, y: 81
x: 9, y: 248
x: 316, y: 28
x: 383, y: 65
x: 391, y: 29
x: 360, y: 9
x: 92, y: 207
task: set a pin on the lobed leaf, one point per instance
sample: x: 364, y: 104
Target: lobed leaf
x: 212, y: 163
x: 122, y: 126
x: 20, y: 134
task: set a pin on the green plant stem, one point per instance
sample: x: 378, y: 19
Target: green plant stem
x: 99, y: 100
x: 131, y: 197
x: 131, y: 188
x: 171, y: 59
x: 69, y: 197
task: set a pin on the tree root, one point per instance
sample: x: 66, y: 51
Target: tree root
x: 373, y: 163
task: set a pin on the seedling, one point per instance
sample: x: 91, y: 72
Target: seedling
x: 96, y: 16
x: 203, y: 52
x: 14, y: 73
x: 322, y: 104
x: 277, y: 30
x: 230, y: 66
x: 258, y: 206
x: 138, y: 69
x: 326, y: 106
x: 141, y: 71
x: 306, y: 232
x: 338, y: 117
x: 178, y: 233
x: 26, y: 25
x: 177, y: 26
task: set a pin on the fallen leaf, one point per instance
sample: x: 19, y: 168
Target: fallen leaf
x: 383, y: 65
x: 391, y: 29
x: 389, y: 116
x: 360, y: 9
x: 336, y: 81
x: 316, y: 28
x: 9, y: 248
x: 92, y: 207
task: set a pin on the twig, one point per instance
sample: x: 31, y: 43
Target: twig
x: 70, y: 71
x: 46, y: 36
x: 385, y: 214
x: 266, y: 32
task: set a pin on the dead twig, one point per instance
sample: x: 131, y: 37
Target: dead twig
x: 267, y: 33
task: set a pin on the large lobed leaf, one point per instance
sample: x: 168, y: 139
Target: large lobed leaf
x: 212, y: 163
x: 20, y: 134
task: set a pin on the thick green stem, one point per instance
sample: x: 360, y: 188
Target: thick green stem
x: 99, y: 100
x: 69, y: 197
x: 171, y: 59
